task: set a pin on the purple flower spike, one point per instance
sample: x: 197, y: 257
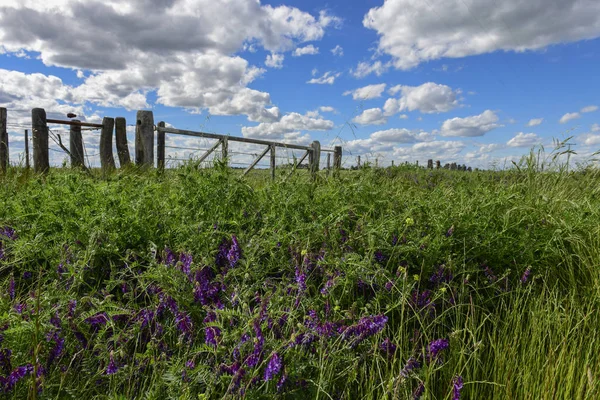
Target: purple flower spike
x: 366, y: 326
x: 388, y: 347
x: 234, y: 253
x: 411, y: 365
x: 186, y: 263
x: 525, y: 276
x: 436, y: 347
x: 419, y: 391
x: 212, y: 334
x: 11, y: 288
x: 457, y: 385
x: 112, y: 367
x: 273, y: 367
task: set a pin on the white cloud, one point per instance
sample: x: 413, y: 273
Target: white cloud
x: 589, y: 109
x: 306, y: 50
x: 364, y: 69
x: 326, y: 109
x: 287, y: 124
x: 535, y: 122
x: 190, y: 63
x: 367, y: 92
x: 595, y: 128
x: 428, y: 98
x: 328, y: 78
x: 590, y: 139
x: 401, y: 135
x: 403, y: 116
x: 490, y: 147
x: 274, y: 60
x: 569, y: 117
x: 337, y: 51
x: 412, y: 32
x: 476, y: 125
x: 371, y: 116
x: 524, y: 140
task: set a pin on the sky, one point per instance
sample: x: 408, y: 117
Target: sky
x: 477, y: 82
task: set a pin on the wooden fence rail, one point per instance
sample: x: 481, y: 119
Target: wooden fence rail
x: 144, y: 144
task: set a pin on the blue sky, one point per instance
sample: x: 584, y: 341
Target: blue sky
x: 478, y: 82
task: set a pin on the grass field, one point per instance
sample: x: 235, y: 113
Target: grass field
x: 394, y: 283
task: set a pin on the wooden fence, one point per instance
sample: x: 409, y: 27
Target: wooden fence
x: 145, y: 143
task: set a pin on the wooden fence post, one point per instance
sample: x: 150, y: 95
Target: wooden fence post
x: 3, y: 140
x: 160, y: 147
x: 224, y: 149
x: 438, y: 164
x: 121, y: 141
x: 26, y: 149
x: 76, y: 145
x: 337, y: 158
x: 392, y: 163
x: 41, y: 161
x: 358, y: 162
x: 144, y: 138
x: 107, y: 161
x: 430, y: 164
x: 328, y: 163
x: 272, y: 161
x: 314, y: 157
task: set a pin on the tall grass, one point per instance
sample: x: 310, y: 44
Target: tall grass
x: 439, y: 254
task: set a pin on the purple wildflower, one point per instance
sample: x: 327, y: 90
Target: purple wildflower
x: 71, y: 308
x: 5, y: 362
x: 27, y: 275
x: 190, y: 364
x: 388, y: 347
x: 112, y: 367
x: 206, y: 292
x: 97, y: 320
x: 61, y: 269
x: 441, y: 275
x: 57, y: 350
x: 212, y: 334
x: 234, y: 253
x: 489, y: 274
x: 411, y: 365
x: 380, y: 257
x: 273, y: 367
x: 525, y: 276
x: 457, y: 385
x: 421, y: 300
x: 419, y: 391
x: 389, y: 285
x: 8, y: 232
x: 16, y: 375
x: 300, y: 280
x: 366, y: 326
x: 186, y: 262
x: 436, y: 347
x: 55, y: 320
x: 170, y: 257
x: 184, y: 323
x: 450, y: 231
x: 281, y: 382
x: 20, y: 307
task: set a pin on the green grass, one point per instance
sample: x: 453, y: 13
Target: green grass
x: 507, y: 339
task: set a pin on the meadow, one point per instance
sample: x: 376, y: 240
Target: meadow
x: 389, y: 283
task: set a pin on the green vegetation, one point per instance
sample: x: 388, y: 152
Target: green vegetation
x: 379, y: 284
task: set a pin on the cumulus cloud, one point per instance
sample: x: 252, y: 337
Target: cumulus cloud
x: 337, y: 51
x: 535, y: 122
x: 476, y: 125
x: 412, y: 33
x: 326, y: 109
x: 524, y: 140
x: 189, y: 62
x: 371, y: 116
x: 367, y: 92
x: 589, y: 109
x: 428, y: 98
x: 275, y: 60
x: 401, y: 135
x: 364, y: 69
x: 595, y: 128
x: 569, y: 117
x: 328, y: 78
x: 289, y: 123
x: 306, y: 50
